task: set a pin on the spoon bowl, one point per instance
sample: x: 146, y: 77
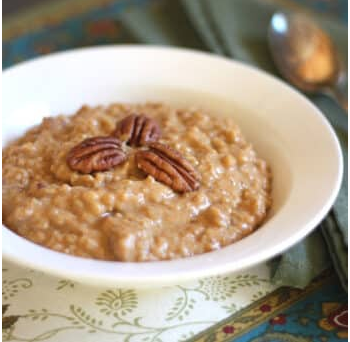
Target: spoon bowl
x: 306, y: 56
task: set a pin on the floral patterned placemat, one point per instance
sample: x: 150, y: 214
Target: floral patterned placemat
x: 39, y: 307
x: 242, y: 307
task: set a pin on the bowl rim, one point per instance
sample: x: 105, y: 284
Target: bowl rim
x: 186, y: 268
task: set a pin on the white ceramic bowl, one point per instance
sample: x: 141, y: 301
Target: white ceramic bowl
x: 285, y: 128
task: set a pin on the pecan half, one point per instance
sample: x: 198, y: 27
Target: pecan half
x: 169, y: 167
x: 137, y: 130
x: 96, y: 154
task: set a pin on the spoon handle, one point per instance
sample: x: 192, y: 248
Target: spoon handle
x: 338, y: 96
x: 339, y: 91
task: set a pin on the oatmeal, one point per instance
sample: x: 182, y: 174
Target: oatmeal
x: 175, y: 184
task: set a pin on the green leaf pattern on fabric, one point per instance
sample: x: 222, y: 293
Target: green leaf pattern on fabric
x: 50, y: 309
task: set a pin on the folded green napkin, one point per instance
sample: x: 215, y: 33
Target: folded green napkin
x: 237, y: 29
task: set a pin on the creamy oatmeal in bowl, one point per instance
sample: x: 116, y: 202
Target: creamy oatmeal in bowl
x: 134, y: 182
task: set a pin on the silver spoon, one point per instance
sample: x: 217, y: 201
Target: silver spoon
x: 306, y: 56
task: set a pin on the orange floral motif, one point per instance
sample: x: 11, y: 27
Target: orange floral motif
x: 103, y: 28
x: 265, y: 308
x: 43, y: 48
x: 335, y: 319
x: 228, y: 329
x: 279, y: 320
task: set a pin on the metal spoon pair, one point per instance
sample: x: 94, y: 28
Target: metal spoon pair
x: 306, y: 56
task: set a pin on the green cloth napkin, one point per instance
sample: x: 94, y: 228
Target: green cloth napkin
x: 237, y: 29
